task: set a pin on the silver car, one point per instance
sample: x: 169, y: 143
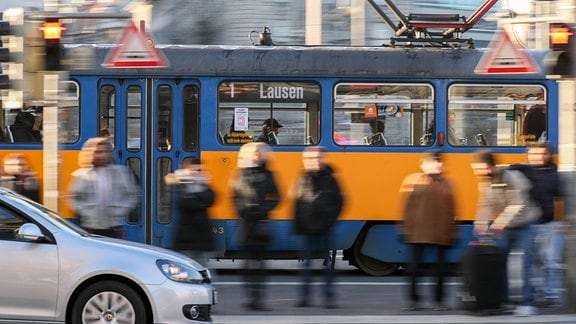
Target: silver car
x: 51, y: 271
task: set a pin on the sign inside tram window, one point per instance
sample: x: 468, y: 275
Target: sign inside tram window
x: 241, y: 119
x: 370, y: 111
x: 268, y: 91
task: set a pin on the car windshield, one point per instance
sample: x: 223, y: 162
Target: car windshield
x: 26, y: 204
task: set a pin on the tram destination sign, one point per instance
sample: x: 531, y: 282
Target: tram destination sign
x: 268, y: 91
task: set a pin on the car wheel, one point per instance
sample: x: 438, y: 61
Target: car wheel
x: 109, y: 302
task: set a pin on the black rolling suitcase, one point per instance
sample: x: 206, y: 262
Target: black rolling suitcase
x: 484, y: 272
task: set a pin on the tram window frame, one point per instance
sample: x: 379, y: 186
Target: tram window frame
x: 494, y: 115
x: 107, y: 109
x: 133, y: 120
x: 69, y: 112
x: 190, y: 117
x: 164, y: 197
x: 299, y: 116
x: 164, y: 115
x: 359, y: 107
x: 134, y: 164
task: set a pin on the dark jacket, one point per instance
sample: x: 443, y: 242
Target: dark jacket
x: 429, y: 213
x: 193, y: 232
x: 255, y: 194
x: 546, y: 186
x: 22, y: 129
x: 319, y: 202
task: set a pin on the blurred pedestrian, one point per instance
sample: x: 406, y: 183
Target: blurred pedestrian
x: 549, y: 236
x: 319, y: 202
x: 428, y: 224
x: 17, y: 176
x: 254, y: 194
x: 102, y: 193
x: 194, y: 196
x: 270, y: 129
x: 506, y: 212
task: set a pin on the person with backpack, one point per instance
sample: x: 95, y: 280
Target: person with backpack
x: 428, y: 224
x: 506, y: 212
x: 318, y: 203
x: 549, y: 240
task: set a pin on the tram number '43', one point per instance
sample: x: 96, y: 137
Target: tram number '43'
x: 275, y: 92
x: 217, y: 230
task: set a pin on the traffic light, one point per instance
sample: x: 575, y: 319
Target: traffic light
x: 562, y: 45
x: 52, y: 32
x: 4, y: 54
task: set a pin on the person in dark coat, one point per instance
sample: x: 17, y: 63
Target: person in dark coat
x: 270, y: 129
x: 549, y: 228
x: 194, y: 196
x: 23, y: 129
x: 255, y: 194
x: 428, y: 223
x: 319, y: 202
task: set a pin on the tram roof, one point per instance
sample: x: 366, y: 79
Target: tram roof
x: 318, y: 61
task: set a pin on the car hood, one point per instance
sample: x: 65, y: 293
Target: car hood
x: 153, y: 251
x: 87, y: 256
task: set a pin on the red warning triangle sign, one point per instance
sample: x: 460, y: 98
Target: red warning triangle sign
x: 504, y: 57
x: 135, y: 50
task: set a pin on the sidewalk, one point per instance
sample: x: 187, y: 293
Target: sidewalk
x: 415, y: 319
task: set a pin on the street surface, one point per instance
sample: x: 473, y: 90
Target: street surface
x: 361, y: 298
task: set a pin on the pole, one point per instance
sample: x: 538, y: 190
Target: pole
x: 313, y: 22
x: 50, y: 138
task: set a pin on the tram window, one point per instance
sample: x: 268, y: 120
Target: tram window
x: 164, y: 118
x: 69, y: 112
x: 107, y: 111
x: 135, y: 166
x: 134, y: 118
x: 164, y: 197
x: 244, y: 107
x: 380, y: 114
x: 497, y: 115
x: 23, y: 124
x: 190, y: 118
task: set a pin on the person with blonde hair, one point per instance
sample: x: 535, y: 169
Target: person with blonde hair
x: 102, y: 193
x: 254, y: 194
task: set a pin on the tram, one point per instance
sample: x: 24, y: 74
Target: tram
x: 328, y: 96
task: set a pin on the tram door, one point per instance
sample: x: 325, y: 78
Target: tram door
x: 154, y: 124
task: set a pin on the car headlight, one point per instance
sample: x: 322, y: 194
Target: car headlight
x: 183, y: 273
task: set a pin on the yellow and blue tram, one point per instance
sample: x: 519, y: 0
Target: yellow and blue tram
x: 211, y: 99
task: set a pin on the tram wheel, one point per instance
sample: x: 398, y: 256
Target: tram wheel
x: 368, y: 264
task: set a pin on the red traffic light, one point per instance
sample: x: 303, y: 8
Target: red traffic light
x: 560, y: 35
x: 52, y: 30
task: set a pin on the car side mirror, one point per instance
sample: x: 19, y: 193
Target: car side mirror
x: 29, y: 232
